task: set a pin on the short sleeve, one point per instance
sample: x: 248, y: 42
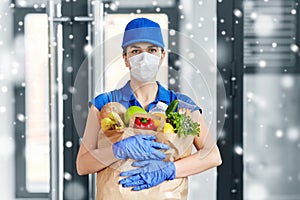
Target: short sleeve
x: 100, y: 100
x: 187, y: 102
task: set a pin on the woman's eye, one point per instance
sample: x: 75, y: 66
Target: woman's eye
x: 153, y: 50
x: 135, y: 51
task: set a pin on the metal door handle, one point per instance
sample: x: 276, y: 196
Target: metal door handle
x: 83, y: 19
x: 76, y: 19
x: 61, y: 19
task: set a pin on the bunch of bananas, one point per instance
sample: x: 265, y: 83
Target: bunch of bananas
x: 111, y: 116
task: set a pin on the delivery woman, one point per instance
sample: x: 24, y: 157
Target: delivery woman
x: 153, y: 177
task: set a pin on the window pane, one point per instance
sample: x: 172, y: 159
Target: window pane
x: 31, y: 3
x: 37, y: 103
x: 271, y: 137
x: 270, y: 33
x: 141, y: 4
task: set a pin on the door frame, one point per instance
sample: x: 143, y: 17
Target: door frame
x: 230, y: 66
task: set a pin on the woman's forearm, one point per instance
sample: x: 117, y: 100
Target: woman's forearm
x: 95, y: 160
x: 196, y: 163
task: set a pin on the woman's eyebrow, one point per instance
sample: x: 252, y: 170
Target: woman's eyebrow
x: 133, y: 46
x: 153, y: 46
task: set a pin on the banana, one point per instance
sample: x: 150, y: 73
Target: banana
x: 112, y: 122
x: 115, y: 117
x: 107, y: 124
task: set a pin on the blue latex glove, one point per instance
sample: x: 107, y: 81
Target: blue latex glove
x: 139, y: 147
x: 151, y: 173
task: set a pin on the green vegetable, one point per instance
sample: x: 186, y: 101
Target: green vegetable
x: 183, y: 124
x: 172, y: 107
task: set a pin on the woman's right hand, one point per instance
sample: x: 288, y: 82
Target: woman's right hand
x: 139, y: 147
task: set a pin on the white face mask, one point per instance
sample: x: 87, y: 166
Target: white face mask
x: 144, y: 66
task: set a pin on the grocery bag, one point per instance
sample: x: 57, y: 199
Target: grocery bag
x: 108, y: 186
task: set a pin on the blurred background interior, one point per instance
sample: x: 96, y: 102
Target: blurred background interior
x: 56, y: 55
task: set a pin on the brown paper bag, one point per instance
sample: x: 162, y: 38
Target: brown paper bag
x: 108, y: 186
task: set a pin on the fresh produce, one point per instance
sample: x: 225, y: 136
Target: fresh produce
x: 112, y: 106
x: 172, y: 107
x: 117, y: 119
x: 144, y: 123
x: 168, y: 128
x: 182, y: 124
x: 114, y: 116
x: 132, y: 110
x: 112, y: 122
x: 107, y: 124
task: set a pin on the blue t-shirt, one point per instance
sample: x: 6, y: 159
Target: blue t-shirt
x: 126, y: 97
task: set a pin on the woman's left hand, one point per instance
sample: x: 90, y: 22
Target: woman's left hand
x: 150, y: 174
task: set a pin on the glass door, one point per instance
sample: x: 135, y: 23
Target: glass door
x: 271, y: 100
x: 31, y: 87
x: 48, y: 116
x: 259, y: 57
x: 38, y: 97
x: 189, y: 33
x: 75, y: 28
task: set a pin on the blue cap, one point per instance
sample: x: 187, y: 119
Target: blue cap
x: 142, y: 30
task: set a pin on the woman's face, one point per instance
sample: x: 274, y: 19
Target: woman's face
x: 142, y: 47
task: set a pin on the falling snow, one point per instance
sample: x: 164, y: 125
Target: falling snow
x: 294, y: 48
x: 67, y: 176
x: 279, y: 133
x: 172, y: 32
x: 21, y: 117
x: 287, y: 81
x: 113, y: 7
x: 293, y: 134
x: 4, y: 89
x: 270, y: 106
x: 262, y: 63
x: 69, y: 69
x: 72, y: 90
x: 238, y: 13
x: 69, y: 144
x: 2, y: 109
